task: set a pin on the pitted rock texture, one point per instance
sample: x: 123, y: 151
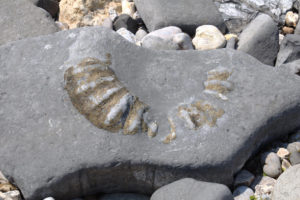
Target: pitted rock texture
x: 75, y: 158
x: 78, y: 13
x: 184, y: 14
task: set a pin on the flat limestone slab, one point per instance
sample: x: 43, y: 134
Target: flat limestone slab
x: 221, y: 105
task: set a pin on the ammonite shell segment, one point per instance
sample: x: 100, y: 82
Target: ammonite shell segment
x: 97, y: 93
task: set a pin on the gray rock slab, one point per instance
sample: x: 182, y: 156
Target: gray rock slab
x: 22, y: 19
x: 124, y: 196
x: 187, y: 15
x: 293, y: 67
x: 289, y: 49
x: 49, y: 149
x: 260, y: 39
x: 190, y: 189
x: 287, y: 185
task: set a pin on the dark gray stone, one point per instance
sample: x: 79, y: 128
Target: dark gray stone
x: 243, y: 178
x: 294, y: 149
x: 50, y: 149
x: 190, y: 189
x: 124, y: 196
x: 287, y: 185
x: 260, y: 39
x: 187, y: 15
x: 157, y: 43
x: 51, y: 6
x: 21, y: 19
x: 231, y: 43
x: 289, y: 49
x: 125, y: 21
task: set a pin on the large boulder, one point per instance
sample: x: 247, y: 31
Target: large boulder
x: 50, y: 149
x: 260, y: 39
x: 21, y: 19
x: 289, y: 49
x: 287, y: 185
x: 190, y: 189
x: 187, y: 15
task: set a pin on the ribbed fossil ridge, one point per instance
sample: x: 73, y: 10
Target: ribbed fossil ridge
x: 97, y: 94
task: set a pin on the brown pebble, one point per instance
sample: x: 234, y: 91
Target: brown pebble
x: 287, y: 30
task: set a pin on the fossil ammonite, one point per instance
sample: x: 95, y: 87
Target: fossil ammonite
x: 97, y: 93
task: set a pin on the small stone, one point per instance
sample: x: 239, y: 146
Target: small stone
x: 285, y: 164
x: 127, y: 35
x: 243, y: 178
x: 157, y: 43
x: 136, y: 15
x: 183, y: 40
x: 49, y: 198
x: 62, y: 26
x: 6, y: 187
x: 287, y: 30
x: 108, y: 23
x: 128, y: 7
x: 291, y: 19
x: 140, y: 34
x: 166, y: 33
x: 231, y: 43
x: 263, y: 186
x: 11, y: 195
x: 272, y: 165
x: 283, y: 153
x: 208, y: 37
x: 242, y: 193
x: 126, y: 21
x: 281, y: 37
x: 294, y: 149
x: 112, y: 14
x: 231, y: 35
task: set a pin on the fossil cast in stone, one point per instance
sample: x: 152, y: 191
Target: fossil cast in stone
x: 217, y: 82
x: 196, y: 115
x: 97, y: 93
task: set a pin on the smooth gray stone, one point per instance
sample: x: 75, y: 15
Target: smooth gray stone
x: 271, y: 164
x: 50, y: 149
x: 124, y: 196
x: 294, y: 149
x: 231, y: 43
x: 21, y: 19
x: 108, y: 23
x: 289, y: 49
x: 287, y: 185
x: 140, y: 34
x: 187, y: 15
x: 242, y: 193
x: 297, y: 29
x: 152, y: 42
x: 184, y: 41
x: 260, y: 39
x: 190, y: 189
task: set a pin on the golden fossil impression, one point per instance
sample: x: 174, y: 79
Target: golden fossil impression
x: 97, y: 93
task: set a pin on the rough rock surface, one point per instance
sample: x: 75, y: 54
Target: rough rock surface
x: 78, y: 13
x: 293, y: 67
x: 289, y: 49
x: 287, y: 185
x: 21, y: 19
x: 187, y: 15
x: 260, y: 39
x: 190, y: 189
x: 75, y: 158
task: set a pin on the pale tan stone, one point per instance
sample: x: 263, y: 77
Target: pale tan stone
x: 208, y: 37
x: 78, y: 13
x: 231, y: 35
x: 287, y: 30
x: 285, y: 164
x: 128, y: 7
x: 291, y: 19
x: 283, y: 153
